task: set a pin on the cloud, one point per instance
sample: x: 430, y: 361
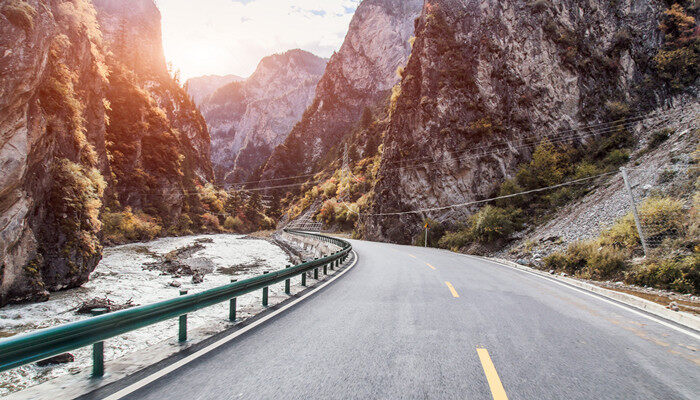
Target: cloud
x: 231, y: 36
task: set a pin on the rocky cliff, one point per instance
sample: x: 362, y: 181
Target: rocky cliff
x: 132, y: 31
x: 52, y: 124
x: 487, y: 79
x: 202, y: 87
x: 359, y: 75
x: 88, y: 117
x: 248, y: 119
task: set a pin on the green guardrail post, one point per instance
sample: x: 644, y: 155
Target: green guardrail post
x: 265, y: 292
x: 182, y: 334
x: 303, y: 278
x: 287, y: 283
x: 325, y: 269
x: 316, y: 273
x: 332, y: 265
x: 232, y: 306
x: 98, y: 350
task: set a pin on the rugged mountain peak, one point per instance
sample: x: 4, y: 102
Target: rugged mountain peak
x: 377, y: 43
x: 359, y: 75
x: 200, y: 88
x: 248, y: 119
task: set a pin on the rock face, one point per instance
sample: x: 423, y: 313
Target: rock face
x: 52, y: 127
x: 70, y: 142
x: 487, y: 78
x: 202, y: 87
x: 359, y: 75
x: 248, y: 119
x: 132, y: 31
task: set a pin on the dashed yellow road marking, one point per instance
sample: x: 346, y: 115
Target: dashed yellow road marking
x: 411, y: 255
x: 452, y: 289
x: 495, y: 384
x: 428, y: 264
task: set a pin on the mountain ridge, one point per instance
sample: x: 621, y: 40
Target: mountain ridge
x: 249, y: 118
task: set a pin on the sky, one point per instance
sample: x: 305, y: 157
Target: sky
x: 205, y: 37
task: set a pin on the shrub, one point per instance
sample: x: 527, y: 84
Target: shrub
x: 679, y: 67
x: 510, y: 187
x: 233, y: 224
x: 546, y: 168
x: 677, y: 26
x: 661, y: 217
x: 20, y: 13
x: 327, y: 214
x: 677, y: 63
x: 606, y: 263
x: 588, y: 259
x: 574, y: 259
x: 455, y: 240
x: 210, y: 222
x: 617, y: 157
x: 585, y: 169
x: 74, y: 201
x: 395, y: 94
x: 622, y: 234
x: 659, y: 137
x: 183, y: 225
x: 678, y: 274
x: 561, y: 196
x: 329, y: 189
x: 486, y: 226
x: 493, y: 223
x: 126, y: 226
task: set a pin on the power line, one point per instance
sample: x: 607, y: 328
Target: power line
x: 470, y: 203
x: 492, y: 147
x: 599, y: 126
x: 554, y: 138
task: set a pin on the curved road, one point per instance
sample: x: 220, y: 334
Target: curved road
x: 419, y: 323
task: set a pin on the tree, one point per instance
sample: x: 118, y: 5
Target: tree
x: 367, y: 118
x: 233, y: 202
x: 677, y: 26
x: 274, y: 211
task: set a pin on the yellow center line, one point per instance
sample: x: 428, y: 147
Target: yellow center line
x: 430, y: 266
x: 452, y: 289
x: 411, y: 255
x: 495, y: 384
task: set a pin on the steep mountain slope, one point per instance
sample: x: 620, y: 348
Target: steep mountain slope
x: 86, y: 122
x: 132, y: 30
x: 359, y: 75
x: 200, y: 88
x: 52, y: 147
x: 488, y: 79
x: 250, y: 118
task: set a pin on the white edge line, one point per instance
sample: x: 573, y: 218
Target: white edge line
x: 172, y: 367
x: 594, y: 295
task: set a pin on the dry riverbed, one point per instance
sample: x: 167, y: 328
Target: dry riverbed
x: 138, y: 274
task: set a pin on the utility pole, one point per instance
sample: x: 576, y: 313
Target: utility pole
x: 634, y: 211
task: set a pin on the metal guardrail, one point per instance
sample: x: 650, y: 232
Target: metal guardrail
x: 27, y: 348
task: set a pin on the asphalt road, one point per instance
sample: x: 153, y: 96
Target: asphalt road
x: 394, y: 328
